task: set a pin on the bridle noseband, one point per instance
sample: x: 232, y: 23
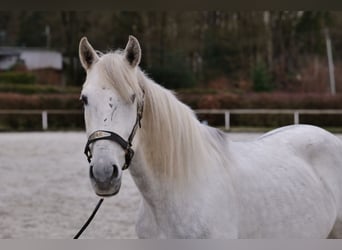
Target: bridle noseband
x: 109, y: 135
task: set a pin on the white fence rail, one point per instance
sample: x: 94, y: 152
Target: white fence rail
x: 226, y: 112
x: 295, y: 112
x: 43, y: 113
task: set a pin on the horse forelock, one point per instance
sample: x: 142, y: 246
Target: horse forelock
x: 120, y: 74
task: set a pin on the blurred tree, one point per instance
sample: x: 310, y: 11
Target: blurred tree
x: 186, y: 48
x: 31, y: 29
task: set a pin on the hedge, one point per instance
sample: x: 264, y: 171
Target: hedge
x: 33, y: 121
x: 266, y: 101
x: 196, y: 100
x: 17, y: 77
x: 39, y: 101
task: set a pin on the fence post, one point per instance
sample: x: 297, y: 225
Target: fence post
x: 227, y: 120
x: 44, y: 120
x: 330, y: 63
x: 296, y: 117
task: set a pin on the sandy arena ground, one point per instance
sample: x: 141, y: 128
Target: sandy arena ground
x: 45, y: 192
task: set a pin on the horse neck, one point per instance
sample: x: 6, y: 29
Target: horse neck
x: 174, y: 143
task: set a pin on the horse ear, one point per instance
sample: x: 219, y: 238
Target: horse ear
x: 87, y: 54
x: 133, y: 51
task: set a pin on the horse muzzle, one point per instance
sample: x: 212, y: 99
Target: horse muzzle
x: 105, y: 179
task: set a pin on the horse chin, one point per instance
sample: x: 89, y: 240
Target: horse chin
x: 106, y: 191
x: 107, y: 194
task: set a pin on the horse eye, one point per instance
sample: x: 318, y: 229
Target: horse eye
x: 84, y: 99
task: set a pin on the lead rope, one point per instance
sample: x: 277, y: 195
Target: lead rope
x: 89, y: 219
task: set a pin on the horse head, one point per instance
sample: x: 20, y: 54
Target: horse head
x: 113, y: 102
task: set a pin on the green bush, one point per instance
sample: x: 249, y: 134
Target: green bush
x: 17, y: 77
x: 261, y: 78
x: 174, y: 74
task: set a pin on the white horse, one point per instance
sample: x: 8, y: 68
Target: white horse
x: 194, y: 181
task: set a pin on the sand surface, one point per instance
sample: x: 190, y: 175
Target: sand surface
x: 45, y: 192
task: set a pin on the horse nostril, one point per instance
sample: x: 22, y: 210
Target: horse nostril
x: 105, y: 175
x: 115, y: 173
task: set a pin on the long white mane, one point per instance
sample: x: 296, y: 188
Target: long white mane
x: 177, y: 143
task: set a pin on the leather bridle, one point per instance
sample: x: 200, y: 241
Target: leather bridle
x: 126, y: 146
x: 112, y: 136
